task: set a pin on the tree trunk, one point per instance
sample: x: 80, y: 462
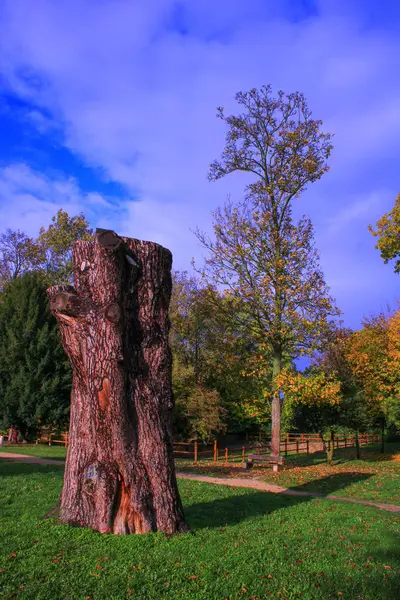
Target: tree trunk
x: 382, y: 436
x: 276, y: 408
x: 357, y: 443
x: 120, y: 474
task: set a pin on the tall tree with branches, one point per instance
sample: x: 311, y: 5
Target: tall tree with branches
x: 15, y: 255
x: 258, y: 253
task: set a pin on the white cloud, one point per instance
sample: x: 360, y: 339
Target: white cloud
x: 137, y: 99
x: 29, y: 199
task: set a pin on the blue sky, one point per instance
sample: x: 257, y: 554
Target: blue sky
x: 108, y: 107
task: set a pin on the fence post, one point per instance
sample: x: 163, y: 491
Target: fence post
x: 258, y: 450
x: 286, y: 446
x: 215, y: 451
x: 196, y: 452
x: 297, y: 446
x: 226, y: 456
x: 308, y: 446
x: 345, y: 442
x: 243, y: 453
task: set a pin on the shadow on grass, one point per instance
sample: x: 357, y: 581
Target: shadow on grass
x: 9, y: 467
x: 331, y: 484
x: 235, y: 509
x: 341, y: 456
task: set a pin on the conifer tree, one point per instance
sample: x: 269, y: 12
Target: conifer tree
x: 35, y: 377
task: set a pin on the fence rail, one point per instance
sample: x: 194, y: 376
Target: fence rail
x: 290, y: 444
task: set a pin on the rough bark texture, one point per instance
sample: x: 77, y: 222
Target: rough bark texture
x: 276, y: 410
x: 120, y: 474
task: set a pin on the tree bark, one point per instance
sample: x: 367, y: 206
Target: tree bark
x: 120, y: 474
x: 382, y: 436
x: 276, y: 408
x: 357, y: 443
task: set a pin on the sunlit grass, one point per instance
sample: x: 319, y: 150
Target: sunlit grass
x: 246, y: 544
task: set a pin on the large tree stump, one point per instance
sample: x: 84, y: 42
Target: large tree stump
x: 119, y: 474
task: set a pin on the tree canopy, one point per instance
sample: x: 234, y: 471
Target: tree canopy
x: 258, y: 254
x: 388, y: 234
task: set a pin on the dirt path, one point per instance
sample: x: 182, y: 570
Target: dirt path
x: 277, y: 489
x: 26, y: 458
x: 253, y: 484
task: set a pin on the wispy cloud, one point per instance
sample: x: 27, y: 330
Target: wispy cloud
x: 134, y: 93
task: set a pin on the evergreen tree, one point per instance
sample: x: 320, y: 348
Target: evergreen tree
x: 35, y: 377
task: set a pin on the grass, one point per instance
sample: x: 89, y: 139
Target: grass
x: 375, y: 477
x: 247, y: 544
x: 41, y: 450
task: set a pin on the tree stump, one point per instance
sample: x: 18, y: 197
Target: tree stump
x: 119, y: 474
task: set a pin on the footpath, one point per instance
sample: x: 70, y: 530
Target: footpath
x: 253, y: 484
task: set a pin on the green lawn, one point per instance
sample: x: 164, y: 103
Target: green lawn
x: 375, y: 477
x: 42, y: 450
x: 246, y: 544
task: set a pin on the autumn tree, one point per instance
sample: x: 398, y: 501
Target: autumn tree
x: 53, y: 247
x: 15, y: 255
x: 388, y: 234
x: 318, y: 392
x: 374, y: 354
x: 50, y: 253
x: 259, y: 253
x: 211, y: 355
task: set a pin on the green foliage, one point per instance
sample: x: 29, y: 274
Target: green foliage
x: 50, y: 253
x: 388, y: 234
x: 211, y: 354
x: 35, y: 378
x: 374, y: 355
x: 247, y: 544
x: 53, y: 247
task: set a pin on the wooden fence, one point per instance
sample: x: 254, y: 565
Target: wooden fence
x: 290, y: 445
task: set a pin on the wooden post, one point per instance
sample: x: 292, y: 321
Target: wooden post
x: 286, y: 446
x: 297, y: 446
x: 243, y: 453
x: 308, y: 446
x: 226, y: 456
x: 345, y: 441
x: 196, y: 451
x: 215, y: 450
x: 258, y: 450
